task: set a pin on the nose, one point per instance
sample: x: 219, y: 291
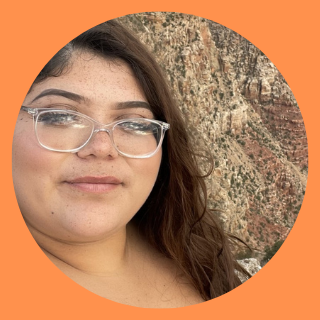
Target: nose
x: 100, y: 145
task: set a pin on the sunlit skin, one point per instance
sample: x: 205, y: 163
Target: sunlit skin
x: 84, y: 228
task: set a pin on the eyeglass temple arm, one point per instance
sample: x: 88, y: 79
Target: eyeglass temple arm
x: 165, y: 126
x: 32, y: 111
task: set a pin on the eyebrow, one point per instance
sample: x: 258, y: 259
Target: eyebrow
x: 79, y: 98
x: 133, y: 104
x: 62, y: 93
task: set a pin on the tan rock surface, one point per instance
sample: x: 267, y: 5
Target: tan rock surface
x: 237, y: 103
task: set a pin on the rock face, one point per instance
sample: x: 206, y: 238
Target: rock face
x: 251, y: 265
x: 238, y: 105
x: 260, y: 82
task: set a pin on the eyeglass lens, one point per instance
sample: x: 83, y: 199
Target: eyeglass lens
x: 61, y: 130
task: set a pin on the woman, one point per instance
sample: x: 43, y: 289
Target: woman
x: 108, y: 183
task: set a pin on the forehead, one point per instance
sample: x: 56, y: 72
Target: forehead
x: 95, y: 78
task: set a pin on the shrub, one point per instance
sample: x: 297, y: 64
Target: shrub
x: 245, y: 254
x: 270, y: 252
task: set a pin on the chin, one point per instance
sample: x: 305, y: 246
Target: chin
x: 91, y: 227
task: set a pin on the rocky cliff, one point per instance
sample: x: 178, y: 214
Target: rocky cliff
x: 237, y: 104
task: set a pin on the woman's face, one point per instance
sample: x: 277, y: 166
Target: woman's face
x: 50, y: 201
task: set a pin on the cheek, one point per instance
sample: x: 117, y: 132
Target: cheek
x: 31, y: 169
x: 146, y: 173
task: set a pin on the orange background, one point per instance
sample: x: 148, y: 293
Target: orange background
x: 287, y: 287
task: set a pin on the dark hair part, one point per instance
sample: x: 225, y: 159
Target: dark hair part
x: 175, y: 218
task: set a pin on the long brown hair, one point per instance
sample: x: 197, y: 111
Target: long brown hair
x: 175, y: 218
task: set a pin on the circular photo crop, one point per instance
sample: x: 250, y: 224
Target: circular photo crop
x: 160, y: 160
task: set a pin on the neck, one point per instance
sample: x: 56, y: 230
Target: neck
x: 103, y: 257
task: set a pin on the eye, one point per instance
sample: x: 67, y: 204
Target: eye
x: 142, y: 127
x: 58, y: 118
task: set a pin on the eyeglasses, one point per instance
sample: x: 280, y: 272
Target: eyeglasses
x: 69, y: 131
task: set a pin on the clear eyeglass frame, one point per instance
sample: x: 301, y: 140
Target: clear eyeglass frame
x: 96, y: 127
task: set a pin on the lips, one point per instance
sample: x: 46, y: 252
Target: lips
x: 94, y: 184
